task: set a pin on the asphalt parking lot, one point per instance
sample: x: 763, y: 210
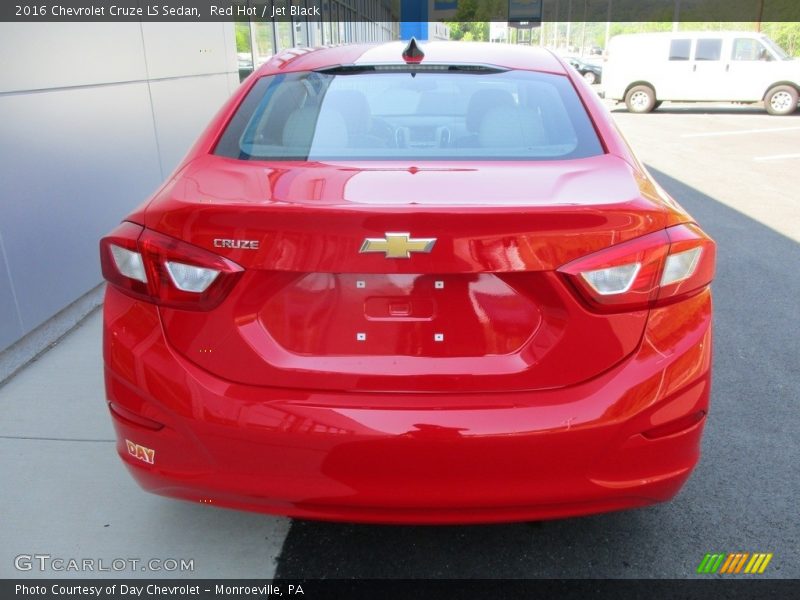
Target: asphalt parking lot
x: 734, y: 168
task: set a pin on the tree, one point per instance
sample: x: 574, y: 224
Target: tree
x: 472, y: 19
x: 785, y: 34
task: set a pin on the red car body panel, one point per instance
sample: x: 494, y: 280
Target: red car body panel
x: 418, y: 457
x: 320, y: 385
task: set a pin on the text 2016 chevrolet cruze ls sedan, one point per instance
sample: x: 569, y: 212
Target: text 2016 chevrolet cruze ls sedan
x: 410, y: 284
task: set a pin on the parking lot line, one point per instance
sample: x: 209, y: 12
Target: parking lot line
x: 738, y: 132
x: 776, y: 157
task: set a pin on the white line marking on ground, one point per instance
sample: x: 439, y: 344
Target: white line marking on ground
x: 776, y: 157
x: 739, y: 132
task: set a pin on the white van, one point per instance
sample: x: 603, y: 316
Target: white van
x: 646, y: 69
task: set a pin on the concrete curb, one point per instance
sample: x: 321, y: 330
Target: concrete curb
x: 29, y: 348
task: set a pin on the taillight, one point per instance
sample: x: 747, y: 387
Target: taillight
x: 166, y: 271
x: 691, y: 269
x: 121, y: 261
x: 657, y: 268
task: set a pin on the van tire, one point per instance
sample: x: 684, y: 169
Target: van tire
x: 781, y: 100
x: 640, y: 99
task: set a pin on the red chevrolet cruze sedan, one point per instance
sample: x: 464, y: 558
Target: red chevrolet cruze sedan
x: 412, y: 284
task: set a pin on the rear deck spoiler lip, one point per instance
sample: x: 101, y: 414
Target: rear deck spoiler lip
x: 354, y: 68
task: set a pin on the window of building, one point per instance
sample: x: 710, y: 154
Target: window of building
x: 264, y: 40
x: 283, y: 30
x: 342, y: 21
x: 244, y: 49
x: 300, y: 33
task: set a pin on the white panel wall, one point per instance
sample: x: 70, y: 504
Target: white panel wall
x: 181, y: 49
x: 199, y: 97
x: 93, y: 116
x: 50, y: 55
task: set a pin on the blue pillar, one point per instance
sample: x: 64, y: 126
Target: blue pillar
x: 414, y: 19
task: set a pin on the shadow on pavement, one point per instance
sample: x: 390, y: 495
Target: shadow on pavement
x: 742, y: 497
x: 706, y: 109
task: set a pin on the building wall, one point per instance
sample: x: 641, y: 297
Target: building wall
x: 94, y: 117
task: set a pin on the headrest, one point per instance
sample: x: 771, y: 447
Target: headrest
x: 353, y: 106
x: 482, y: 102
x: 515, y: 127
x: 306, y: 128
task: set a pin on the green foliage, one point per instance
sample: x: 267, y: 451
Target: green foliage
x: 472, y: 19
x: 470, y: 31
x: 242, y: 37
x: 786, y: 35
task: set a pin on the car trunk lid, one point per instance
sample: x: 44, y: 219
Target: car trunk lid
x: 482, y: 310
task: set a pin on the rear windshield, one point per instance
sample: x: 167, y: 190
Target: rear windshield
x: 444, y: 115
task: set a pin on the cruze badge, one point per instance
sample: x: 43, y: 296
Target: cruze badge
x: 238, y: 244
x: 397, y: 245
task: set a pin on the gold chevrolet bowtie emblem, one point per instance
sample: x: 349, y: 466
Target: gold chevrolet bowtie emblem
x: 398, y: 245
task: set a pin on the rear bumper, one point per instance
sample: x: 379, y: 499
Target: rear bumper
x: 412, y: 458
